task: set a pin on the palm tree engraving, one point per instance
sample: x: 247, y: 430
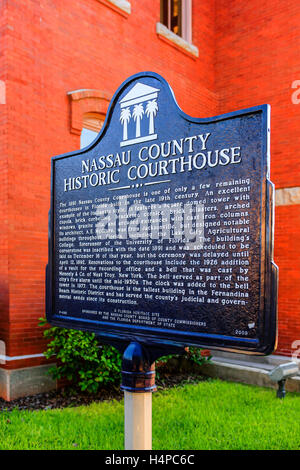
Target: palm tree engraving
x: 151, y: 110
x: 125, y: 118
x: 137, y: 114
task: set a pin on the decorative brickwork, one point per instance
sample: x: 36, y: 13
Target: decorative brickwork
x: 86, y: 101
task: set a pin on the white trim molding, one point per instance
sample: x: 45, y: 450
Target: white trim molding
x: 4, y: 358
x: 165, y: 33
x: 121, y: 6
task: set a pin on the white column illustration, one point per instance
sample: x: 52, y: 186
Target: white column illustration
x: 141, y: 100
x: 137, y: 114
x: 151, y: 110
x: 125, y: 118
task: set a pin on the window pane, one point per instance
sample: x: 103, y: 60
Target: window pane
x: 164, y: 12
x: 176, y: 16
x: 171, y: 12
x: 87, y: 137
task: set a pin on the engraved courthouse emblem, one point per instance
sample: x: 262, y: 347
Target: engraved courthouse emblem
x: 138, y: 105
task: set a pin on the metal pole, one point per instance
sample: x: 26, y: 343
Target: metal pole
x: 281, y: 389
x: 138, y: 383
x: 138, y: 421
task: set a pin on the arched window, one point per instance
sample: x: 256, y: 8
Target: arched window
x: 88, y: 111
x: 91, y: 125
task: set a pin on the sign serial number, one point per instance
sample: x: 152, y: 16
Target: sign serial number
x: 241, y: 332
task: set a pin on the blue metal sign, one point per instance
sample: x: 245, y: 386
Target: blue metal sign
x: 161, y: 231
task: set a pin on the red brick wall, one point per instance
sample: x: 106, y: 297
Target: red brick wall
x: 256, y: 62
x: 248, y: 55
x: 54, y: 47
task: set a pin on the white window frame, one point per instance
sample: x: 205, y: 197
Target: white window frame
x: 185, y: 40
x: 186, y: 19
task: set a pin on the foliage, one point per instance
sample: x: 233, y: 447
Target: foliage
x: 192, y: 356
x: 81, y: 359
x: 83, y: 362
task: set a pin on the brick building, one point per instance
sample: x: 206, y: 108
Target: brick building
x: 61, y: 62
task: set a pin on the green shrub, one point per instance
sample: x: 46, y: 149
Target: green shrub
x: 180, y: 363
x: 88, y: 365
x: 80, y: 359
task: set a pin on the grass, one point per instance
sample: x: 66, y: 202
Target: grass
x: 207, y: 415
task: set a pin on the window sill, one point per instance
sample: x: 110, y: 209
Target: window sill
x: 120, y: 6
x: 164, y: 33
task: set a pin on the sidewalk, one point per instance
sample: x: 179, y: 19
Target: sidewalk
x: 248, y: 369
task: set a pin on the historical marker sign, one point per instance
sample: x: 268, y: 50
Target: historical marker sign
x: 161, y: 231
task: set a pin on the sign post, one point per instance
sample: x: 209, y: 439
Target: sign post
x: 138, y: 421
x: 161, y: 235
x: 138, y: 383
